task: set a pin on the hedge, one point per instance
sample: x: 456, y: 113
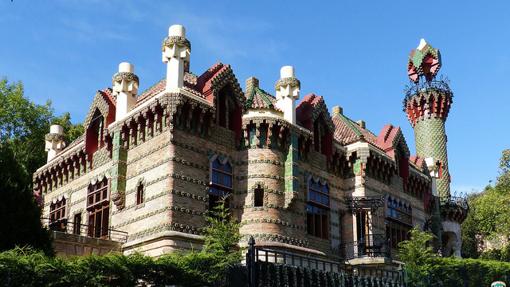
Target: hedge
x: 472, y: 272
x: 25, y: 267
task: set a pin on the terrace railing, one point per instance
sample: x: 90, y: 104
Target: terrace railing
x: 373, y: 245
x: 69, y: 227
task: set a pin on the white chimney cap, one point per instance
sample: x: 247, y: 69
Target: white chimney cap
x: 126, y: 67
x: 177, y: 30
x: 56, y: 129
x: 287, y: 72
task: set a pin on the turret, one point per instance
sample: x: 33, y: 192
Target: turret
x: 176, y: 50
x: 427, y: 104
x: 287, y: 92
x: 125, y: 87
x: 54, y: 141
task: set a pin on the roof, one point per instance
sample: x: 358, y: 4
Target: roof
x: 347, y: 131
x: 260, y: 99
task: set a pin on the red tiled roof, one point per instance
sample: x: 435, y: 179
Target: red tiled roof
x: 347, y: 131
x: 386, y: 138
x: 151, y: 92
x: 260, y: 99
x: 205, y: 81
x: 416, y: 160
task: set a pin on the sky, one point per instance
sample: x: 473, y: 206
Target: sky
x: 354, y: 53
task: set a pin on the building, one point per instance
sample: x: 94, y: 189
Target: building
x: 298, y: 178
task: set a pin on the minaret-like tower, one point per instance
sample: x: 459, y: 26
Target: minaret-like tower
x: 427, y: 104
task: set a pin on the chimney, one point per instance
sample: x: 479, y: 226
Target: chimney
x: 251, y: 84
x: 125, y: 87
x: 361, y: 123
x: 54, y: 141
x: 287, y: 92
x: 176, y: 50
x: 337, y: 110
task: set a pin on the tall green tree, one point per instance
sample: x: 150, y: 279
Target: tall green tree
x: 23, y: 125
x: 489, y: 214
x: 418, y: 256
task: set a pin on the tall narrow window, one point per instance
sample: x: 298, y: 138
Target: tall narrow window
x: 77, y: 224
x: 317, y: 209
x: 139, y: 194
x: 98, y: 206
x: 259, y: 196
x: 95, y: 133
x: 58, y: 215
x: 221, y: 182
x: 399, y: 218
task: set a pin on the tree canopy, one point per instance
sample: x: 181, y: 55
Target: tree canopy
x: 489, y: 214
x: 23, y: 125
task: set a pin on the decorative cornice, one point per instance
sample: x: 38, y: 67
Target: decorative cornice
x: 175, y: 40
x: 126, y: 76
x: 54, y: 137
x: 290, y: 81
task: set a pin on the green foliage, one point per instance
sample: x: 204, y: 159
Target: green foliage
x: 221, y: 234
x: 23, y: 125
x: 489, y: 214
x: 418, y: 256
x: 26, y: 267
x: 424, y: 268
x: 208, y: 267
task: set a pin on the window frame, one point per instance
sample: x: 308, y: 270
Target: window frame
x: 217, y: 189
x: 317, y: 212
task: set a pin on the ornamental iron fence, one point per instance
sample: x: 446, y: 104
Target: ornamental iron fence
x: 76, y: 228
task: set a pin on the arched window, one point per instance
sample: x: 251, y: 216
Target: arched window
x: 317, y: 209
x: 139, y: 194
x: 221, y: 182
x: 98, y: 207
x: 58, y: 215
x: 229, y: 111
x: 258, y: 196
x: 323, y: 140
x: 95, y: 133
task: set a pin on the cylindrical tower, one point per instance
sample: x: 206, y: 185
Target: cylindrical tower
x: 427, y: 104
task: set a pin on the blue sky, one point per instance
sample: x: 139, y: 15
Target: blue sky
x: 354, y: 53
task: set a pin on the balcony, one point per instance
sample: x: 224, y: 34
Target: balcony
x: 75, y: 239
x: 372, y: 249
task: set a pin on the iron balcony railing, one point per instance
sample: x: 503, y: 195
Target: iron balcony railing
x: 441, y: 84
x: 69, y: 227
x: 372, y: 245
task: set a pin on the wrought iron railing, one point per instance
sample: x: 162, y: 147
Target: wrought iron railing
x: 69, y: 227
x: 372, y: 245
x: 440, y: 85
x: 287, y: 258
x: 460, y: 201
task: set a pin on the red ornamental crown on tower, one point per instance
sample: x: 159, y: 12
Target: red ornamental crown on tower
x: 423, y: 61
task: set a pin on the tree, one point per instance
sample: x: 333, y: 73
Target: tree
x: 23, y: 125
x: 489, y: 214
x: 418, y: 256
x: 221, y: 235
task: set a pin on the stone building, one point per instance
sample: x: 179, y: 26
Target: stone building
x: 298, y: 177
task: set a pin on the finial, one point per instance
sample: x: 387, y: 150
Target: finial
x: 337, y: 110
x: 424, y: 61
